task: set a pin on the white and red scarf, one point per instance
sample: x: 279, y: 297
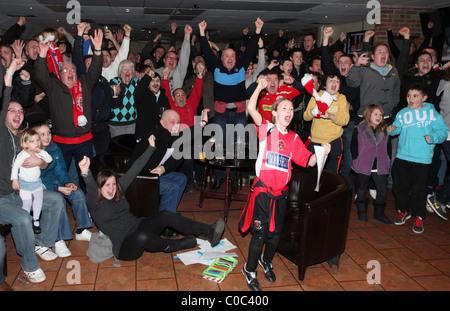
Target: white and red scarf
x: 77, y: 96
x: 54, y: 60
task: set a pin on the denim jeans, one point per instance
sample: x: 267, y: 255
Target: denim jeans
x: 222, y: 119
x: 77, y: 200
x: 171, y: 188
x: 2, y: 258
x: 11, y: 212
x: 77, y: 152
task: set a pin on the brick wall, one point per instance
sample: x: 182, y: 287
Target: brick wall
x: 399, y: 18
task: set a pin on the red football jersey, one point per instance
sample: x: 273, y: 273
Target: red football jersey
x: 276, y: 151
x: 266, y: 100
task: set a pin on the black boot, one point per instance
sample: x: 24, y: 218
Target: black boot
x: 379, y: 214
x: 216, y: 232
x: 180, y: 244
x: 362, y: 210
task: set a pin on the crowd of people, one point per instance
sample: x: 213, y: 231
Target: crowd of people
x: 65, y: 97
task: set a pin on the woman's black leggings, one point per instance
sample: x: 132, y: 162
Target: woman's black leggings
x: 147, y: 236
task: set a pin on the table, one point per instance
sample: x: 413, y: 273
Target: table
x: 228, y: 195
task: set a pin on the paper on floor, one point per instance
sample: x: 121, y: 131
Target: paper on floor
x: 206, y: 254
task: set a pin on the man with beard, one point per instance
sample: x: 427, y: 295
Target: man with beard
x: 150, y: 101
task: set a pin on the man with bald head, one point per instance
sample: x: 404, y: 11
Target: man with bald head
x: 171, y: 183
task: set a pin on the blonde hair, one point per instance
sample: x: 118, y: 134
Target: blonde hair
x: 381, y: 128
x: 275, y: 107
x: 25, y: 137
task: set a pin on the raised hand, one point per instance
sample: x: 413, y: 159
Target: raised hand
x: 97, y: 40
x: 259, y: 24
x: 202, y: 27
x: 84, y: 165
x: 404, y: 32
x: 127, y: 29
x: 368, y: 34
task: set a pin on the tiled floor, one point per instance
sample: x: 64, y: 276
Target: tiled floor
x: 407, y: 261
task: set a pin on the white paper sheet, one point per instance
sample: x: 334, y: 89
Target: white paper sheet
x: 321, y: 159
x: 207, y: 254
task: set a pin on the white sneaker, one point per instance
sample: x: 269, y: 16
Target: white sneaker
x: 61, y: 249
x: 37, y: 276
x: 45, y: 253
x: 428, y: 205
x: 85, y: 235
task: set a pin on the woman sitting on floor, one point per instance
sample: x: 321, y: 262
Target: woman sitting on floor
x: 131, y: 236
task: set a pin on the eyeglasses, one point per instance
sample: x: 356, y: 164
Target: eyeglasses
x: 12, y: 110
x: 72, y: 70
x: 173, y: 58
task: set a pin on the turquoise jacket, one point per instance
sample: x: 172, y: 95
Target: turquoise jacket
x: 412, y: 126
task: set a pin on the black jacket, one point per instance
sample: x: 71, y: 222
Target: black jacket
x: 149, y: 110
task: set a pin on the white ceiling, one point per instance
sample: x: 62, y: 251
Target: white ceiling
x: 225, y: 19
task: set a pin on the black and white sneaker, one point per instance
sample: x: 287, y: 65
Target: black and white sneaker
x: 268, y: 269
x: 252, y: 281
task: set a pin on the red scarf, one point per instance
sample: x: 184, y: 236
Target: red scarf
x: 54, y: 60
x: 77, y: 96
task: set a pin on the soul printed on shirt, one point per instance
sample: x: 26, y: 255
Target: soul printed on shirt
x: 418, y: 117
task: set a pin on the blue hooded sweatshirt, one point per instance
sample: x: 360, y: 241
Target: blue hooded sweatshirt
x: 412, y: 126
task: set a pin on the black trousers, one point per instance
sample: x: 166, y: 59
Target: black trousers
x: 362, y: 183
x: 334, y: 157
x: 147, y: 236
x: 261, y: 233
x: 409, y: 186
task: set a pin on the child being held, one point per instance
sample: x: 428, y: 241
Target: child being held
x: 420, y: 128
x: 54, y: 56
x: 27, y: 180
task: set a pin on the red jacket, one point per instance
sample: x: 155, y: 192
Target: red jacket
x: 187, y: 113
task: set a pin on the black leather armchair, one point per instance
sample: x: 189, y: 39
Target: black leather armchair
x: 316, y: 223
x: 123, y: 143
x: 142, y: 194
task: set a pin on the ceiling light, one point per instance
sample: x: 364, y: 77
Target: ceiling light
x: 127, y: 10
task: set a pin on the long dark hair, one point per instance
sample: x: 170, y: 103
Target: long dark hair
x: 102, y: 177
x: 381, y: 128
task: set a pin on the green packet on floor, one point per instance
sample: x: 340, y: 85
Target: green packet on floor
x: 219, y: 269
